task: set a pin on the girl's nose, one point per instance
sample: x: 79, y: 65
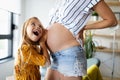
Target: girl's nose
x: 38, y: 27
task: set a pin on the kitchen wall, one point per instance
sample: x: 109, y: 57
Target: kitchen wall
x: 110, y: 59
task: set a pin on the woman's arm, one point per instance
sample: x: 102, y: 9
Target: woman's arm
x: 45, y: 51
x: 108, y: 17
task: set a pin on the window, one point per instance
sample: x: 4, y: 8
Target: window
x: 6, y: 34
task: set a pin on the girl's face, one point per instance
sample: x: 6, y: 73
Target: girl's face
x: 34, y: 30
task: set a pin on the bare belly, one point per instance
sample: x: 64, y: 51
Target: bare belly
x: 60, y: 38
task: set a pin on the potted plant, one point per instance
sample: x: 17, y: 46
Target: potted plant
x: 89, y: 44
x: 95, y: 16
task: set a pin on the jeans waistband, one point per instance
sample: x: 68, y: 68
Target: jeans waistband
x: 74, y: 48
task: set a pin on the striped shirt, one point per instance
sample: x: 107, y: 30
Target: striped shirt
x: 73, y: 14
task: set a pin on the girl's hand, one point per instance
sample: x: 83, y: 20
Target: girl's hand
x: 44, y: 36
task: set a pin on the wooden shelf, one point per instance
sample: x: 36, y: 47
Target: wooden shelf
x: 113, y: 3
x: 107, y: 50
x: 106, y: 36
x: 90, y: 22
x: 103, y: 35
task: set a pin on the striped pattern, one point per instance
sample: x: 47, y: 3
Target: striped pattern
x: 73, y: 14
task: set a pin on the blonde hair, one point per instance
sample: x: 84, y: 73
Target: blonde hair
x: 25, y: 39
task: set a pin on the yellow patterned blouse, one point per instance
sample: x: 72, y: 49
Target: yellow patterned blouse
x: 27, y: 63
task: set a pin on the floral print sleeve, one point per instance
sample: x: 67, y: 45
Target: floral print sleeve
x: 31, y: 56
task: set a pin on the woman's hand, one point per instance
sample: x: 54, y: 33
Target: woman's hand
x: 80, y: 36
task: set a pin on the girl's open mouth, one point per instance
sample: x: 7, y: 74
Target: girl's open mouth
x: 36, y: 33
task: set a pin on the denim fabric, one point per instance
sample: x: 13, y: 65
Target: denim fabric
x: 70, y: 62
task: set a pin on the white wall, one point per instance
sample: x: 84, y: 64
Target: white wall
x: 6, y: 69
x: 39, y: 8
x: 11, y: 6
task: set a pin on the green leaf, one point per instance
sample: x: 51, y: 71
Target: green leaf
x: 89, y: 45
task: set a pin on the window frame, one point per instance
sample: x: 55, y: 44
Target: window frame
x: 9, y: 37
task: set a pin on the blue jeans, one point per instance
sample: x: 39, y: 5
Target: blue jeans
x: 70, y: 61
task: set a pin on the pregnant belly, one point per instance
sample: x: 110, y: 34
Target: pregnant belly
x: 60, y: 38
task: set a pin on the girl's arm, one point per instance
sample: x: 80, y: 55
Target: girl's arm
x: 31, y: 56
x: 45, y: 51
x: 44, y: 47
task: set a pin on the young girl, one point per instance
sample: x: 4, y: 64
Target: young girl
x: 32, y: 52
